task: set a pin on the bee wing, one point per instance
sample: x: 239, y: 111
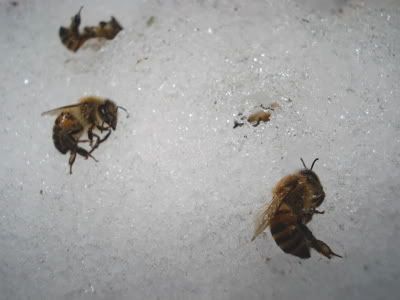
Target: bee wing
x: 264, y: 216
x: 57, y: 110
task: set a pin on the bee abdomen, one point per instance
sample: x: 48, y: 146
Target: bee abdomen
x: 58, y: 140
x: 65, y: 126
x: 288, y: 236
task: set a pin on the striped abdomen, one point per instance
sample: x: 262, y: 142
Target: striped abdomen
x: 66, y: 131
x: 287, y: 233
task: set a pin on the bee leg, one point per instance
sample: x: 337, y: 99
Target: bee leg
x: 91, y: 135
x: 318, y: 245
x: 85, y: 153
x: 310, y: 211
x: 80, y: 151
x: 102, y: 128
x: 71, y: 161
x: 106, y: 136
x: 306, y: 214
x: 99, y: 140
x: 75, y: 149
x: 72, y: 144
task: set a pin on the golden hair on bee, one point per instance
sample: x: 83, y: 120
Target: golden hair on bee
x: 256, y: 117
x: 259, y: 116
x: 73, y: 39
x: 90, y: 114
x: 294, y: 201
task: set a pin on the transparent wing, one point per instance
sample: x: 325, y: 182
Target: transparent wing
x: 263, y: 217
x: 282, y: 191
x: 57, y: 110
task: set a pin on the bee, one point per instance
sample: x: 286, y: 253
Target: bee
x: 74, y: 120
x: 259, y: 116
x: 294, y: 202
x: 73, y: 39
x: 255, y: 118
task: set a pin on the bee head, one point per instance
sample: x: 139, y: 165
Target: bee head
x: 117, y: 27
x: 313, y: 179
x: 312, y: 166
x: 109, y: 113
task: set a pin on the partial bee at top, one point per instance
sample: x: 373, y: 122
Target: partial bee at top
x: 73, y: 39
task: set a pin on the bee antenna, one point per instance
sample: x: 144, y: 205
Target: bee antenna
x: 315, y: 160
x: 125, y: 110
x: 305, y: 167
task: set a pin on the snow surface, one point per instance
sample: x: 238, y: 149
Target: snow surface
x: 167, y: 212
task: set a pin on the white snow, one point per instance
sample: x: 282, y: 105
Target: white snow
x: 167, y: 212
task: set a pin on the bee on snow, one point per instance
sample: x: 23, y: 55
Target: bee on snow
x: 74, y: 120
x: 73, y: 39
x: 256, y: 117
x: 294, y: 201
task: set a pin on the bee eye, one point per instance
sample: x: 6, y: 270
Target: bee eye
x: 102, y: 110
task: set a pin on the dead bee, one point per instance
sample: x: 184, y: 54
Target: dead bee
x: 73, y: 120
x: 259, y: 116
x: 73, y: 39
x: 294, y: 202
x: 255, y: 118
